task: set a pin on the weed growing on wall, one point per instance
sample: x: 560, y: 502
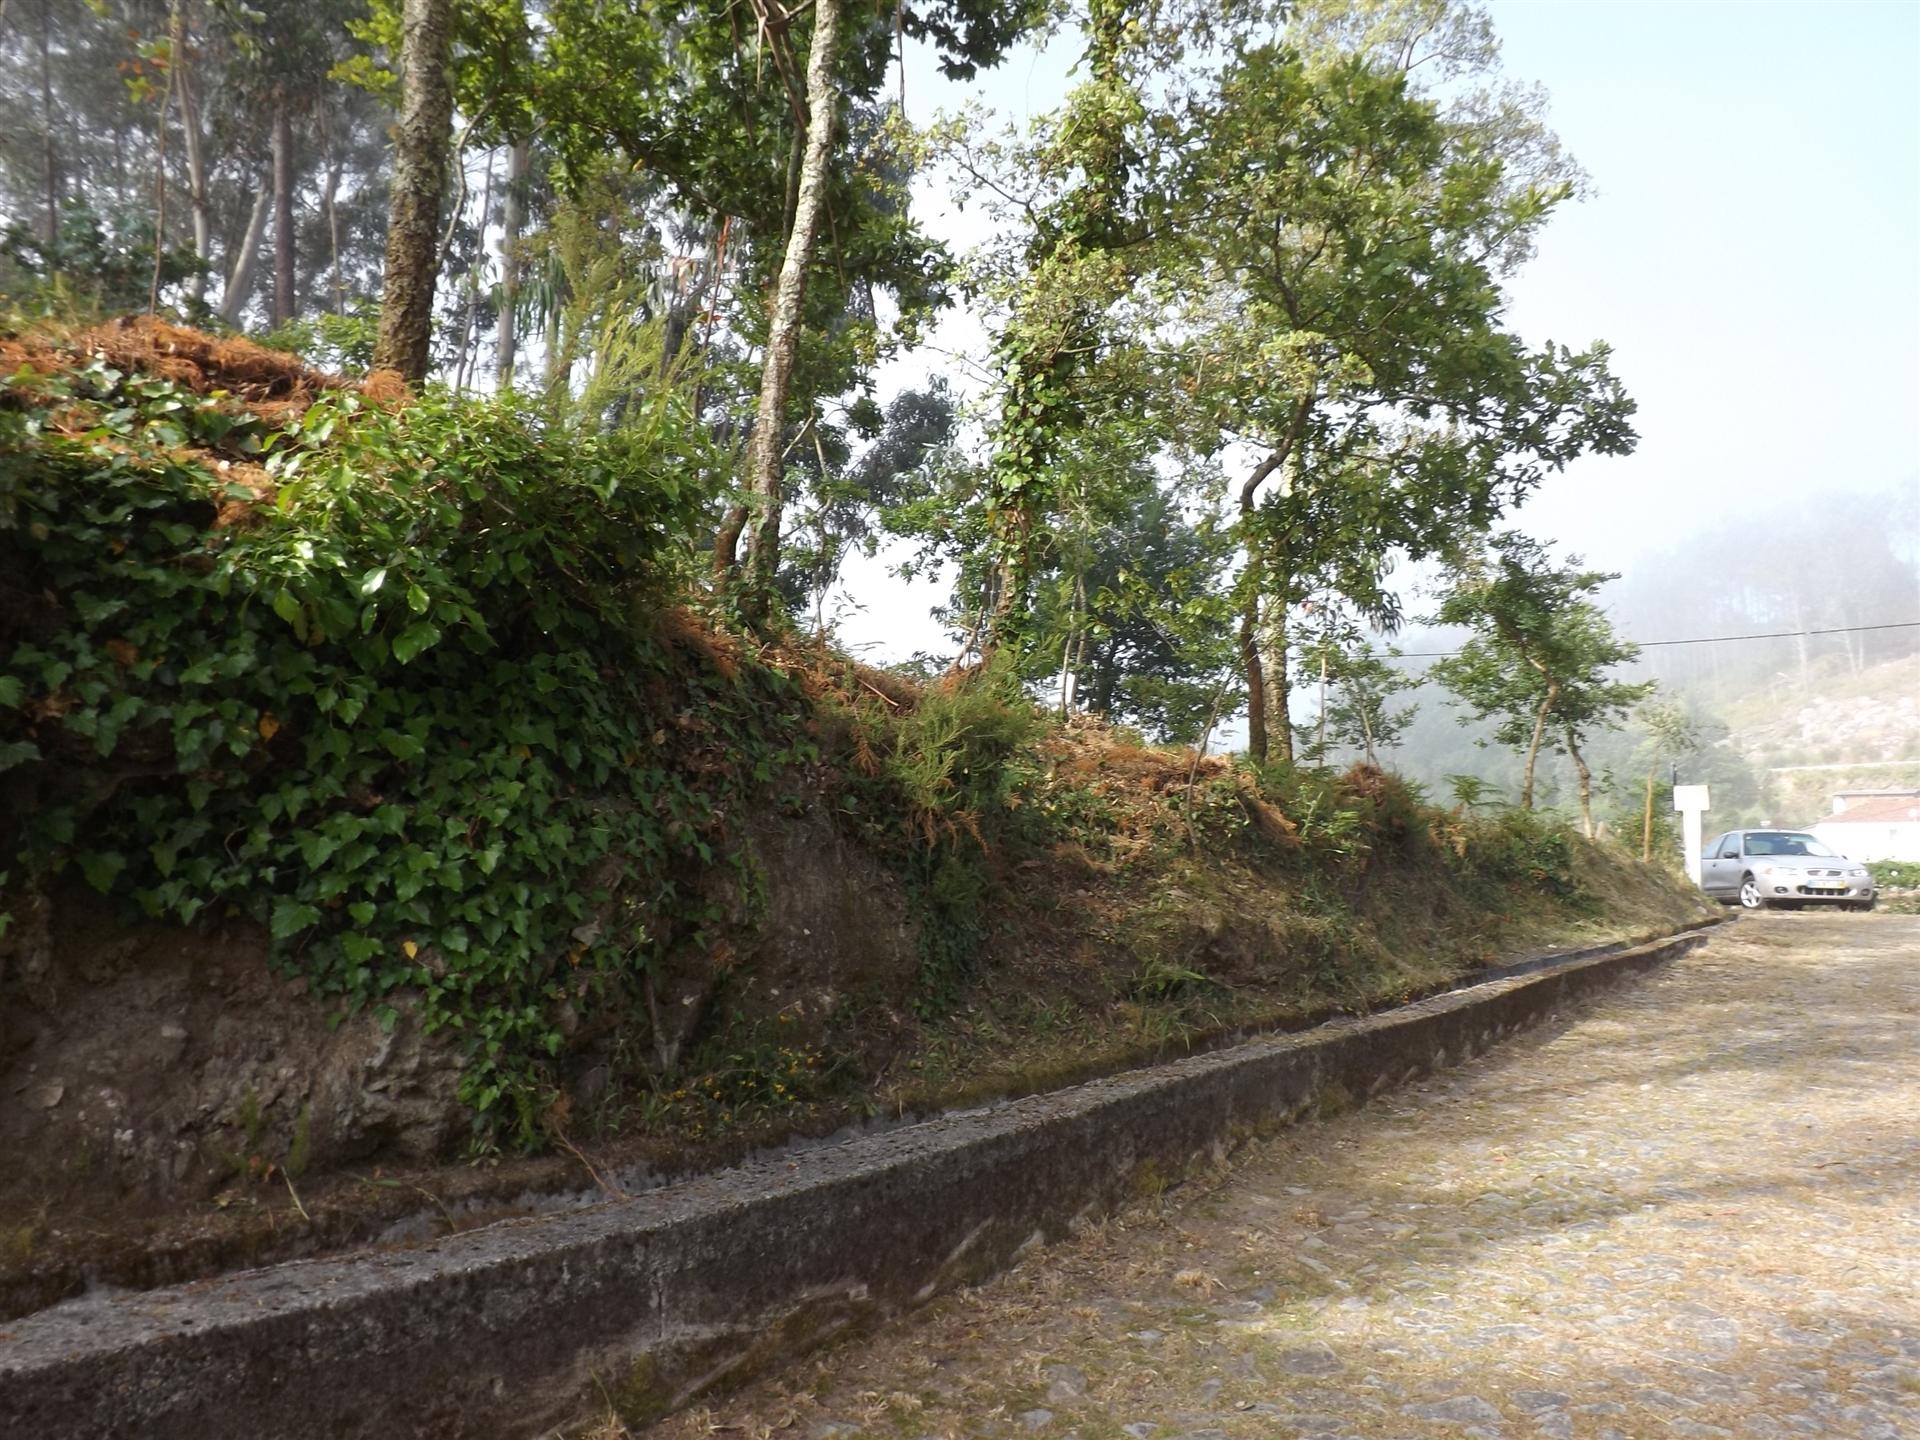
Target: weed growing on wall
x: 948, y: 790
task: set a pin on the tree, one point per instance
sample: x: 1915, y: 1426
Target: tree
x: 1342, y: 239
x: 1357, y: 707
x: 1136, y: 611
x: 421, y: 142
x: 717, y: 113
x: 1670, y: 733
x: 765, y: 457
x: 1539, y: 656
x: 850, y: 499
x: 1063, y: 288
x: 1126, y: 618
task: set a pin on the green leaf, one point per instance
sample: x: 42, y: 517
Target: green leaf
x: 417, y: 599
x: 95, y: 608
x: 417, y: 637
x: 290, y: 917
x: 373, y: 580
x: 102, y: 868
x: 315, y: 848
x: 286, y: 606
x: 401, y: 745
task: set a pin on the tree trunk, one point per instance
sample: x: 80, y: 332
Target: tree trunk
x: 1586, y: 782
x: 689, y: 302
x: 239, y: 286
x: 513, y: 219
x: 176, y: 43
x: 1322, y: 758
x: 1646, y: 824
x: 1279, y: 679
x: 284, y: 304
x: 555, y: 375
x: 1250, y: 581
x: 1105, y: 685
x: 1256, y: 677
x: 1533, y: 745
x: 1068, y: 659
x: 330, y: 206
x: 726, y: 541
x: 46, y: 125
x: 421, y: 142
x: 462, y: 370
x: 196, y: 175
x: 765, y: 458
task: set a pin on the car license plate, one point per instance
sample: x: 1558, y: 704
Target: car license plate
x: 1831, y: 889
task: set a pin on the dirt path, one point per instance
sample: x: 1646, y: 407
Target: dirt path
x: 1692, y: 1211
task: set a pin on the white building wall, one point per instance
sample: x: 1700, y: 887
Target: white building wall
x: 1872, y: 839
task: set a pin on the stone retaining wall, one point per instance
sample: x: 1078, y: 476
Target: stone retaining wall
x: 647, y: 1301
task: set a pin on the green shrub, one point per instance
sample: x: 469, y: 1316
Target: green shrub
x: 948, y: 789
x: 1895, y: 874
x: 1526, y: 847
x: 963, y: 759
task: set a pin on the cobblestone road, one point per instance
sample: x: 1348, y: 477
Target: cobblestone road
x: 1693, y: 1210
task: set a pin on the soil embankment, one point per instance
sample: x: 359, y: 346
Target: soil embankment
x: 392, y: 842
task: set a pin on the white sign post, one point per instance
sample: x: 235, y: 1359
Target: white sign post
x: 1691, y: 802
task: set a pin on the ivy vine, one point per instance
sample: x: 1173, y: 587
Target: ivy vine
x: 388, y: 683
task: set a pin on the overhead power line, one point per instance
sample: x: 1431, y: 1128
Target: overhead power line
x: 1713, y: 639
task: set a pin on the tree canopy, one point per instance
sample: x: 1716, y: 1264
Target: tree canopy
x: 1246, y: 351
x: 1541, y: 654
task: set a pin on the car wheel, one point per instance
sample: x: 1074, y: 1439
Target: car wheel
x: 1750, y: 896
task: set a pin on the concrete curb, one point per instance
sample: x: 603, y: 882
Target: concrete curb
x: 510, y: 1329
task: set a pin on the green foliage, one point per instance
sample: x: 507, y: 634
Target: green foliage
x: 384, y: 683
x: 962, y: 760
x: 1470, y: 792
x: 1361, y: 686
x: 1344, y: 817
x: 1895, y: 874
x: 1160, y: 978
x: 342, y: 342
x: 1539, y: 657
x: 1523, y: 847
x: 950, y: 791
x: 97, y: 264
x: 742, y: 1078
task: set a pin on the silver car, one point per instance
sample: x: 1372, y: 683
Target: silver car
x: 1757, y: 868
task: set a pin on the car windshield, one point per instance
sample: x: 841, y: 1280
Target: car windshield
x: 1786, y: 842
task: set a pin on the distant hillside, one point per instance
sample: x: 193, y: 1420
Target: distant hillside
x: 1842, y: 730
x: 1774, y: 747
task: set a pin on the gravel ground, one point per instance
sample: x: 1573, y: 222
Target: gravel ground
x: 1692, y: 1209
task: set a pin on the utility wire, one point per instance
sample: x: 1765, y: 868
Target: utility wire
x: 1710, y: 639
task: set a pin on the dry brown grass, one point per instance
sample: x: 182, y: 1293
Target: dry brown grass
x: 271, y: 384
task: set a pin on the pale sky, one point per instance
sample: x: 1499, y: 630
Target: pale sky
x: 1751, y: 251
